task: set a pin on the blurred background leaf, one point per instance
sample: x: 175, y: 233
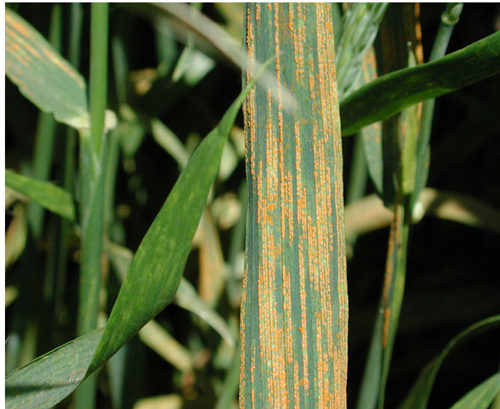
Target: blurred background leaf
x: 481, y: 396
x: 45, y: 194
x: 42, y: 75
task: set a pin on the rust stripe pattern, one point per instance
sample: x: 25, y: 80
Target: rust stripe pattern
x: 294, y: 304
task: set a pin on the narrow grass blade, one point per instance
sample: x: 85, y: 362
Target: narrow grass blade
x: 48, y: 195
x: 92, y: 177
x: 98, y: 70
x: 92, y: 225
x: 481, y: 396
x: 400, y: 22
x: 394, y: 92
x: 48, y: 379
x: 42, y: 75
x: 395, y: 274
x: 69, y: 159
x: 369, y: 389
x: 392, y: 293
x: 399, y: 145
x: 120, y: 32
x: 358, y: 175
x: 372, y: 134
x: 294, y: 302
x: 421, y: 390
x: 111, y: 171
x: 91, y: 248
x: 448, y: 20
x: 367, y: 153
x: 42, y: 164
x: 48, y: 290
x: 74, y: 46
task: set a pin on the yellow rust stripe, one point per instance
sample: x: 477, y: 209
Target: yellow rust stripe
x: 294, y: 304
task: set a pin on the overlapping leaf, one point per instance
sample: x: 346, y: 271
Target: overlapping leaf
x: 42, y: 75
x: 48, y: 379
x: 394, y: 92
x: 481, y: 396
x: 48, y: 195
x: 421, y: 390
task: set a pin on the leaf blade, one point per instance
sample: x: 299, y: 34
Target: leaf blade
x: 294, y: 304
x: 392, y: 93
x: 42, y: 75
x: 48, y: 195
x: 420, y: 392
x: 481, y: 396
x: 24, y: 385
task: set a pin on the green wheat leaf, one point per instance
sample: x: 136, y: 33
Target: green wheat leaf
x: 48, y: 195
x: 294, y: 302
x: 481, y: 396
x: 394, y: 92
x: 421, y: 390
x: 50, y: 378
